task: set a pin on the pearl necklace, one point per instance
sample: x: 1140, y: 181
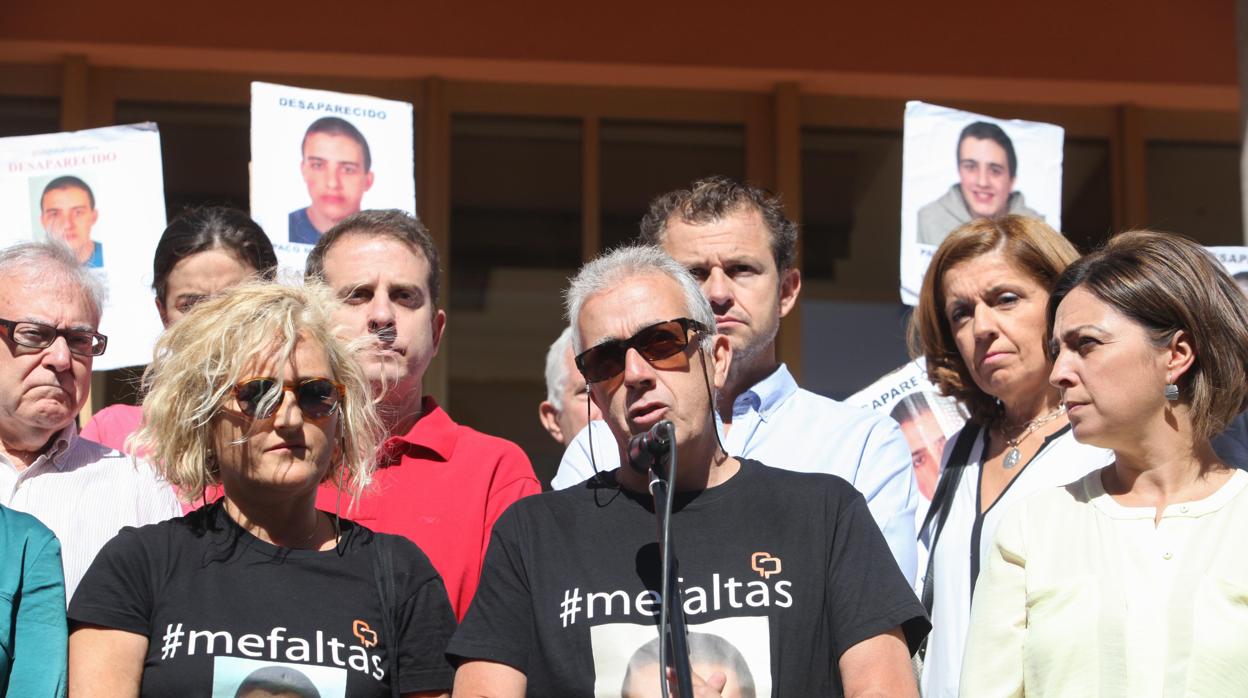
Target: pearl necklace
x: 1013, y: 454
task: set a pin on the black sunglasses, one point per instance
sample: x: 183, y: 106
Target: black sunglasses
x: 660, y: 341
x: 37, y: 335
x: 317, y: 398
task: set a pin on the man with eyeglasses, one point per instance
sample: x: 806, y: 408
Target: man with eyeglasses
x: 84, y: 492
x: 786, y: 567
x: 438, y: 483
x: 737, y: 242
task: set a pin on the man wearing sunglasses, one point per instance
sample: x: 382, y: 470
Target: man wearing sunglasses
x: 787, y: 567
x: 737, y: 242
x: 438, y: 483
x: 84, y: 492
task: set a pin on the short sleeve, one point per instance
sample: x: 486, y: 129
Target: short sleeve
x: 867, y: 593
x: 38, y: 662
x: 424, y: 626
x: 885, y: 476
x: 116, y: 591
x: 513, y: 480
x: 499, y: 624
x: 993, y: 661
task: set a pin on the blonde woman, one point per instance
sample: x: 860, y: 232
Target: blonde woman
x: 251, y: 391
x: 1133, y: 580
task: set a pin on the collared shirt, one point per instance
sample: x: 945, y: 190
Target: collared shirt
x: 442, y: 486
x: 783, y: 426
x: 85, y: 493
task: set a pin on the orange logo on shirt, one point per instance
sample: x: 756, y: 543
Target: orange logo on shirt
x: 764, y: 564
x: 367, y: 637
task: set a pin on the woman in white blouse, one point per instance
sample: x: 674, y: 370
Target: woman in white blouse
x: 981, y: 325
x: 1134, y: 580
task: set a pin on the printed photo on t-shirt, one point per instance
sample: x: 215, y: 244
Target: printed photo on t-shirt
x: 626, y: 657
x: 235, y: 677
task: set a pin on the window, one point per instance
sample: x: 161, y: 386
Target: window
x: 205, y: 148
x: 21, y: 116
x: 641, y: 160
x: 515, y: 240
x: 1194, y: 189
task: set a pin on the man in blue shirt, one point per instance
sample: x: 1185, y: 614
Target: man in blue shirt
x: 738, y: 243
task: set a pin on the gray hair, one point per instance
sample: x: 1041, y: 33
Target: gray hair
x: 628, y: 262
x: 54, y: 257
x: 556, y: 369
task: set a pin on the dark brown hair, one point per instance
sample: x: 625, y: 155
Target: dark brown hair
x: 1030, y: 246
x: 391, y: 223
x: 1166, y: 283
x: 710, y: 199
x: 196, y: 230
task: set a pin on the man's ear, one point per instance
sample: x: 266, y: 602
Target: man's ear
x: 549, y: 417
x: 1180, y: 355
x: 439, y: 326
x: 368, y: 181
x: 790, y: 287
x: 721, y: 355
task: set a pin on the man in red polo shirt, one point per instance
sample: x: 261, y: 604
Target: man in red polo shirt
x: 438, y: 483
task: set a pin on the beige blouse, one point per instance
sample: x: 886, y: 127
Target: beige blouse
x: 1082, y: 596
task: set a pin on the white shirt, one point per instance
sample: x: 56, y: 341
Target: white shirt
x: 781, y: 425
x: 1061, y: 460
x: 1084, y: 596
x: 85, y: 493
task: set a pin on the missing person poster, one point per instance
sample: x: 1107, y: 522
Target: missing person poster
x: 1235, y: 261
x: 958, y: 166
x: 318, y: 157
x: 102, y: 192
x: 926, y: 417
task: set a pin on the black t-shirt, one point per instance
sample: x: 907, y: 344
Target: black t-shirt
x: 225, y: 611
x: 781, y: 572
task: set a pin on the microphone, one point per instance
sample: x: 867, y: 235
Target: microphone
x: 649, y: 450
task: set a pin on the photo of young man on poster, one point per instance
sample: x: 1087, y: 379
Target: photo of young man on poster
x: 987, y: 167
x: 67, y: 212
x: 336, y: 165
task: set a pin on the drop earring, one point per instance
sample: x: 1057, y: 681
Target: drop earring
x: 1172, y: 390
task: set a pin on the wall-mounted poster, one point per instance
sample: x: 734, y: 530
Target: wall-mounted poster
x: 102, y: 192
x: 958, y: 166
x: 318, y: 157
x: 1235, y: 261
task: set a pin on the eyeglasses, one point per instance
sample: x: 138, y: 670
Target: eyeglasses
x: 661, y: 344
x: 317, y: 398
x: 37, y: 335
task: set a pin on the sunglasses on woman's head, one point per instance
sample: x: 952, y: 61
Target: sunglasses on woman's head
x: 661, y: 344
x: 317, y: 398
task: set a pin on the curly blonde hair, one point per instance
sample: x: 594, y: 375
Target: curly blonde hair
x: 200, y: 358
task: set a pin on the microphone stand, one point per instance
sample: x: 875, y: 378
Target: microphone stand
x: 672, y: 614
